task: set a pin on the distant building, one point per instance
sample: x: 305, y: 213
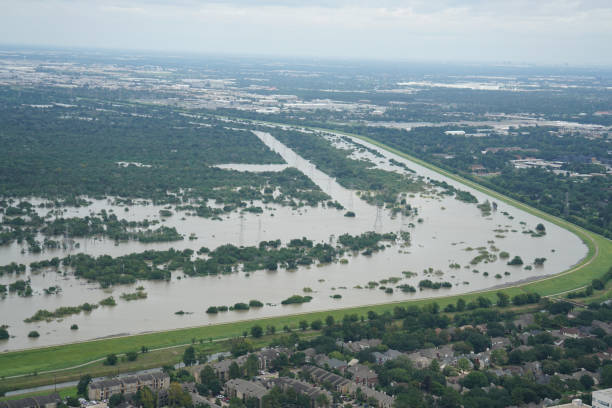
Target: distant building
x: 300, y: 387
x: 40, y: 401
x: 602, y: 398
x: 577, y: 403
x: 244, y: 390
x: 388, y: 355
x: 363, y: 375
x: 104, y: 389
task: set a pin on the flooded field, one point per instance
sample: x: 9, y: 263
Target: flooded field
x: 439, y: 240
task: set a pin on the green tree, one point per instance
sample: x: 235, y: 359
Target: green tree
x: 321, y: 400
x: 316, y: 325
x: 587, y: 381
x: 303, y: 325
x: 606, y: 375
x: 209, y: 382
x: 146, y: 398
x: 499, y: 356
x: 503, y: 300
x: 236, y: 403
x: 131, y: 355
x: 463, y: 364
x: 475, y: 379
x: 329, y: 321
x: 111, y: 360
x: 82, y: 385
x: 251, y: 366
x: 234, y: 371
x: 189, y: 357
x: 115, y: 400
x: 256, y: 331
x: 4, y: 334
x: 177, y: 397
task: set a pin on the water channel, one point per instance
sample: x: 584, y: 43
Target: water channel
x: 448, y: 227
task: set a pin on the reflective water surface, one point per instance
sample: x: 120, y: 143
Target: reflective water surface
x: 446, y: 228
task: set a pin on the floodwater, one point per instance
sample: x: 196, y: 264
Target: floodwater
x: 447, y: 228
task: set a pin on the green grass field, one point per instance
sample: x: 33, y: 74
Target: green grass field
x: 595, y: 264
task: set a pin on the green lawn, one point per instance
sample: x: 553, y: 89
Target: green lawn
x: 595, y: 264
x: 63, y: 392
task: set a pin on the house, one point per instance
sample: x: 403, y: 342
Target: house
x: 499, y: 343
x: 310, y: 354
x: 347, y: 387
x: 40, y: 401
x: 320, y: 376
x: 357, y: 346
x: 300, y: 387
x: 606, y: 327
x: 418, y: 360
x: 576, y: 403
x: 570, y: 332
x: 388, y: 355
x: 363, y: 375
x: 104, y: 389
x: 332, y: 363
x: 268, y: 355
x: 244, y: 390
x: 383, y: 400
x: 523, y: 321
x: 222, y: 367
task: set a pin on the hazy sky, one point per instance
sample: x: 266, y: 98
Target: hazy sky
x: 578, y: 32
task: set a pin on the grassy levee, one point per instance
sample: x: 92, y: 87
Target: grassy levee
x: 594, y: 264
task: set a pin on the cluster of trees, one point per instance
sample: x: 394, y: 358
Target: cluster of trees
x: 181, y: 156
x: 535, y: 186
x: 224, y: 259
x: 353, y: 174
x: 45, y: 315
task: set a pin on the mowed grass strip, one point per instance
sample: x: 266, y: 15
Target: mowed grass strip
x: 595, y: 264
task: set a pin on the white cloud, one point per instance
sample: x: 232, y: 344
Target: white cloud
x: 521, y: 30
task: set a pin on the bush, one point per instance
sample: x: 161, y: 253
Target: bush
x: 597, y: 284
x: 212, y: 310
x: 33, y: 334
x: 74, y: 327
x: 255, y: 303
x: 241, y: 306
x: 516, y: 261
x: 111, y: 360
x: 256, y: 331
x: 131, y: 355
x: 4, y: 334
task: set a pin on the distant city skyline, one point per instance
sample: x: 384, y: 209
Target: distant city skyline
x: 543, y: 32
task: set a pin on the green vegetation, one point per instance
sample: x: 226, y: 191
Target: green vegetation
x: 516, y: 261
x: 4, y: 334
x: 45, y: 315
x: 109, y: 301
x: 536, y: 187
x: 138, y: 295
x: 296, y: 299
x: 176, y: 165
x: 157, y: 265
x: 255, y: 303
x: 428, y: 284
x: 379, y: 186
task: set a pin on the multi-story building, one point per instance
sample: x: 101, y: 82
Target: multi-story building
x: 101, y: 390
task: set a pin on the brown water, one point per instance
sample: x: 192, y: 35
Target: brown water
x: 448, y: 227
